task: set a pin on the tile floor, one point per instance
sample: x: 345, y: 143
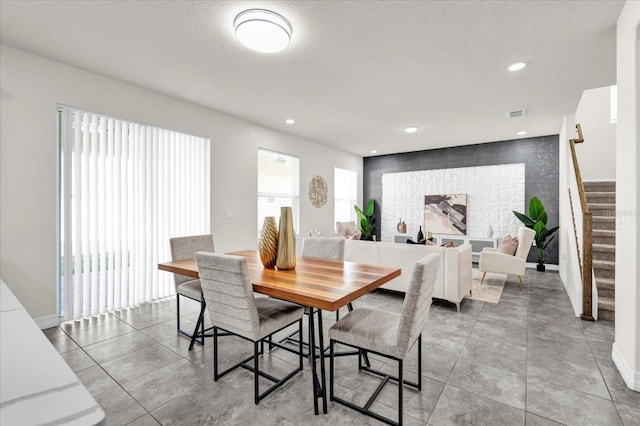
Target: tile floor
x: 526, y: 360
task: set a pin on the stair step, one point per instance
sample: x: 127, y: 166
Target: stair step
x: 604, y: 252
x: 604, y: 269
x: 606, y: 310
x: 602, y: 209
x: 601, y: 197
x: 604, y: 236
x: 606, y: 248
x: 604, y: 265
x: 604, y: 186
x: 604, y: 222
x: 606, y: 287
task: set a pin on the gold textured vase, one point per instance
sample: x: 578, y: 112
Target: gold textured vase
x: 268, y: 242
x: 286, y: 256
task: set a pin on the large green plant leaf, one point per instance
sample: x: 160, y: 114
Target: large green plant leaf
x: 526, y: 220
x: 369, y: 208
x: 549, y: 235
x: 536, y: 209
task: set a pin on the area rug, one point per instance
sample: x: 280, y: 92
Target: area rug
x: 491, y: 288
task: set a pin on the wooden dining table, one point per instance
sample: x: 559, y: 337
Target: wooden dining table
x: 320, y: 284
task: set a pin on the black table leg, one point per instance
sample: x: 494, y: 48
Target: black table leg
x: 312, y: 359
x: 323, y: 379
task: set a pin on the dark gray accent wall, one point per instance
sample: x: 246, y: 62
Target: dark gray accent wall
x: 540, y: 156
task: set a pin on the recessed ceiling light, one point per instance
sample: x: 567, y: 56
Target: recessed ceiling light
x: 411, y: 129
x: 290, y: 121
x: 522, y: 133
x: 262, y: 30
x: 517, y: 66
x: 374, y: 151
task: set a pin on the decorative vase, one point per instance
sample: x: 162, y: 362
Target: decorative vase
x: 286, y: 256
x: 401, y: 227
x: 420, y: 236
x: 268, y: 242
x: 489, y: 231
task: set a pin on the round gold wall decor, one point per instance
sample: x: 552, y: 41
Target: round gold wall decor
x: 318, y: 191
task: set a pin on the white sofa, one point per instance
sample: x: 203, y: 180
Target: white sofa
x: 454, y: 275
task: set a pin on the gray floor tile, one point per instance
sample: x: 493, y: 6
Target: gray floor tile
x: 118, y: 346
x: 618, y: 388
x: 165, y: 384
x: 491, y: 382
x: 145, y: 320
x: 139, y: 363
x: 460, y: 407
x: 578, y: 377
x: 474, y: 365
x: 146, y: 420
x: 630, y: 414
x: 77, y: 359
x: 534, y: 420
x: 109, y: 330
x: 437, y: 363
x: 119, y: 407
x: 63, y: 343
x: 96, y: 380
x: 569, y: 406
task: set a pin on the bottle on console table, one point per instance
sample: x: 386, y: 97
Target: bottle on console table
x: 420, y: 236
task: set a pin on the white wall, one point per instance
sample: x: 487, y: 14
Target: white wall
x: 597, y: 155
x: 569, y: 263
x: 30, y: 89
x: 626, y: 348
x: 493, y: 193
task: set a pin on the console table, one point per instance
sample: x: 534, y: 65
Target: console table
x: 477, y: 243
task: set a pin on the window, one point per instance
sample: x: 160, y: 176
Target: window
x: 125, y: 189
x: 346, y: 194
x: 278, y: 185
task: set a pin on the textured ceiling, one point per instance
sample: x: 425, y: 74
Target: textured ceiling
x: 356, y: 73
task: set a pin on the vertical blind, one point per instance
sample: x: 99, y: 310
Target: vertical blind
x: 126, y: 188
x: 346, y: 194
x: 278, y: 185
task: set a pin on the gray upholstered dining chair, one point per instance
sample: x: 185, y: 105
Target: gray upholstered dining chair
x: 388, y: 334
x: 185, y: 248
x: 326, y: 248
x: 228, y: 291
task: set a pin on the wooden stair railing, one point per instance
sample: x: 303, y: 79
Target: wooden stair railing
x: 587, y: 235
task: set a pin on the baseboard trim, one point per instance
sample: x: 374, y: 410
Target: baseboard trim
x: 548, y: 267
x: 631, y: 378
x: 47, y: 321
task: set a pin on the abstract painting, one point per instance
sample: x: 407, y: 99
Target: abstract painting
x: 445, y: 214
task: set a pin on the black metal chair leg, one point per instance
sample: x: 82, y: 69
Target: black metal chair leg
x: 199, y: 324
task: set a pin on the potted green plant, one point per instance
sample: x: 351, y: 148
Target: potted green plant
x: 366, y: 220
x: 537, y: 220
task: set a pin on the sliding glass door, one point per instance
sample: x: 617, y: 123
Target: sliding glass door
x: 125, y: 189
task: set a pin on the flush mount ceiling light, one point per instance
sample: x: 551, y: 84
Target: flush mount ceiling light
x: 262, y: 30
x: 522, y: 133
x: 290, y: 121
x: 411, y: 129
x: 374, y: 151
x: 517, y: 66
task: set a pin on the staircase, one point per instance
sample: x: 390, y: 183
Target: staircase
x: 601, y: 200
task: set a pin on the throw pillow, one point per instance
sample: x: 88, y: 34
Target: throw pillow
x: 448, y: 244
x: 509, y: 245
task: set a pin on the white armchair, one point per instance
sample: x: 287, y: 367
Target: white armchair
x: 493, y: 261
x: 348, y: 230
